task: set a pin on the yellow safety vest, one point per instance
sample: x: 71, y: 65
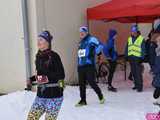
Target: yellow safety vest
x: 134, y: 49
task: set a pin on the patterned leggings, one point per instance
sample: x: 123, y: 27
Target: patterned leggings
x: 44, y: 105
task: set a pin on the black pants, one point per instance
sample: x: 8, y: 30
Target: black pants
x: 112, y: 70
x: 156, y: 93
x: 136, y: 70
x: 88, y: 75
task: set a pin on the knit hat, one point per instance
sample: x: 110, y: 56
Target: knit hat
x: 83, y: 29
x: 134, y: 28
x: 46, y: 35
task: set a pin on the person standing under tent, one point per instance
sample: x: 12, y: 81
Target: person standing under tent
x: 111, y: 54
x: 89, y: 47
x: 130, y: 77
x: 135, y: 52
x: 156, y: 69
x: 50, y: 78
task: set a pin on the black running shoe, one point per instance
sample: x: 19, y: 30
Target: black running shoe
x: 112, y: 89
x: 134, y: 88
x: 81, y: 103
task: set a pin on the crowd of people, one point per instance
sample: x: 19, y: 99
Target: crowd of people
x: 50, y: 72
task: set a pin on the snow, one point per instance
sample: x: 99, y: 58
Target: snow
x: 126, y: 104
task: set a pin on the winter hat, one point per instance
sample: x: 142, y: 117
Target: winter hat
x: 83, y: 29
x: 46, y: 35
x: 134, y: 28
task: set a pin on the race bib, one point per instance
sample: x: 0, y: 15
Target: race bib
x: 41, y: 79
x: 82, y: 53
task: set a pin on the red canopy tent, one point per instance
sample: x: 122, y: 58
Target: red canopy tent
x: 127, y: 11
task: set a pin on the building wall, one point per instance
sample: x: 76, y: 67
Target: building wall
x: 12, y: 59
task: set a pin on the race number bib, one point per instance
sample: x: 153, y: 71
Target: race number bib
x: 41, y: 79
x: 81, y: 53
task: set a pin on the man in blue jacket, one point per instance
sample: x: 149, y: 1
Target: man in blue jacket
x: 135, y: 52
x: 89, y: 47
x: 110, y: 52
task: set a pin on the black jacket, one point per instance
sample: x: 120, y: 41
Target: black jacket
x: 48, y: 63
x: 152, y: 54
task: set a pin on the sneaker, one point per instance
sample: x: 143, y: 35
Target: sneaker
x: 130, y: 78
x: 112, y: 89
x: 156, y: 102
x: 102, y: 101
x: 139, y: 90
x: 81, y: 103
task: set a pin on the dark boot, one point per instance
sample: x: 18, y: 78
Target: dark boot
x: 134, y: 88
x: 112, y: 89
x: 139, y: 90
x: 130, y: 77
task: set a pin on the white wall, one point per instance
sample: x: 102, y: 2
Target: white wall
x: 12, y: 59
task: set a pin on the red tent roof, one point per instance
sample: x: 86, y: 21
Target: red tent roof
x: 126, y: 11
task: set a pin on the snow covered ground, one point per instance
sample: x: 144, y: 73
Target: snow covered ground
x: 124, y: 105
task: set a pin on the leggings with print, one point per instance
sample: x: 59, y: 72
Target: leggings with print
x: 50, y: 106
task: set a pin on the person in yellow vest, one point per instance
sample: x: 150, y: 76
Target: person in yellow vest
x: 135, y: 52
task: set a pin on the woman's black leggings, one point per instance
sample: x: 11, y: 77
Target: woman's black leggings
x: 156, y: 93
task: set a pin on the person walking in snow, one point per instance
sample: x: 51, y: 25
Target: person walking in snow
x: 111, y: 54
x: 50, y: 78
x: 89, y: 47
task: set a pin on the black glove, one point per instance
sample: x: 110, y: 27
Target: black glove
x: 29, y: 85
x: 33, y: 78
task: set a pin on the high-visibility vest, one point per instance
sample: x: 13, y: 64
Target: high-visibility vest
x: 134, y: 48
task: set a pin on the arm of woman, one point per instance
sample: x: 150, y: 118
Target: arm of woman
x: 59, y: 73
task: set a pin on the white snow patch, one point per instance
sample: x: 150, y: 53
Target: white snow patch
x: 124, y: 105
